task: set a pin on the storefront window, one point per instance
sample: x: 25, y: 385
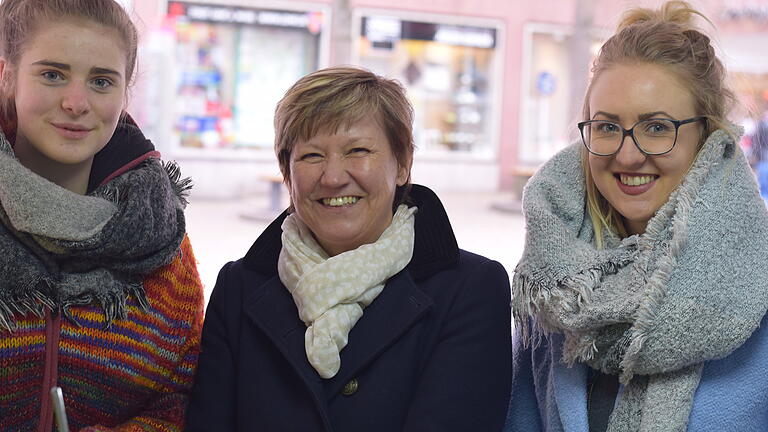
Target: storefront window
x: 448, y: 71
x: 234, y: 65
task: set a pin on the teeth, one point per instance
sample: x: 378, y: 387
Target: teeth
x: 340, y: 201
x: 636, y: 180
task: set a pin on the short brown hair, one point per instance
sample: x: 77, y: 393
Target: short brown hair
x: 336, y: 97
x: 665, y: 37
x: 19, y: 20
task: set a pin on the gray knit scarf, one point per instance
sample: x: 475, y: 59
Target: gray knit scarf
x: 59, y: 249
x: 649, y: 308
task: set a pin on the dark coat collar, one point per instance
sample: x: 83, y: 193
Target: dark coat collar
x: 435, y: 248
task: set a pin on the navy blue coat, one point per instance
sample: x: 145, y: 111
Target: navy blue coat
x: 431, y: 353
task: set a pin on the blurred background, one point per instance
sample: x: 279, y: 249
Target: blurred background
x: 496, y: 86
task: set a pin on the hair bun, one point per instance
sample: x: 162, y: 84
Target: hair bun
x: 675, y: 11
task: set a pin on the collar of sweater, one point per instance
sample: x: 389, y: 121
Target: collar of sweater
x: 435, y: 248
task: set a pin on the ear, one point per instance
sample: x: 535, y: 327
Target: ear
x: 2, y: 68
x: 404, y: 171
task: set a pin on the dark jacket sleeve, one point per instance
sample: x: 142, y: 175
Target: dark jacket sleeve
x: 212, y: 402
x: 466, y: 382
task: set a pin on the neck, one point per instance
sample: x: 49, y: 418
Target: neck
x: 73, y: 177
x: 634, y: 227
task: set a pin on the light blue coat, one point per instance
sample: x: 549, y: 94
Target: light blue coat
x: 549, y: 396
x: 762, y: 178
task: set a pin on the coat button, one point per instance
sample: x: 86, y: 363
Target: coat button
x: 350, y: 388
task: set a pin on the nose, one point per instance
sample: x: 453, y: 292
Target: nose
x: 629, y: 155
x: 75, y: 100
x: 335, y: 173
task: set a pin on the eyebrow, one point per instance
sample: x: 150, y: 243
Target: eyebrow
x: 63, y: 66
x: 641, y: 117
x: 104, y: 71
x: 349, y: 141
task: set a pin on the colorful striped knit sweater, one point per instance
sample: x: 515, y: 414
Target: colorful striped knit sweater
x: 133, y: 376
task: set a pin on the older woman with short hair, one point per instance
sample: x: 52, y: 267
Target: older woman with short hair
x: 355, y: 309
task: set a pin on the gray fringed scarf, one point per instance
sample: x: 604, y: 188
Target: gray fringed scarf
x: 649, y: 308
x: 59, y: 248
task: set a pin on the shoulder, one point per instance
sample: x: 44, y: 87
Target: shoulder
x: 474, y: 268
x: 469, y: 260
x: 475, y: 287
x: 235, y: 281
x: 468, y: 269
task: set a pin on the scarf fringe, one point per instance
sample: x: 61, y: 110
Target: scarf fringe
x: 36, y: 301
x: 181, y: 186
x: 114, y: 305
x: 529, y: 296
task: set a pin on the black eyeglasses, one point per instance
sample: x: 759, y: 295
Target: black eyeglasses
x: 653, y: 137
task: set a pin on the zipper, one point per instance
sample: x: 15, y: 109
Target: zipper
x: 50, y: 371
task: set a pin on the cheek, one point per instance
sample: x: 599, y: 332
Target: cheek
x: 383, y: 172
x: 301, y: 182
x: 110, y: 109
x: 674, y: 169
x: 679, y: 161
x: 32, y: 102
x: 598, y: 166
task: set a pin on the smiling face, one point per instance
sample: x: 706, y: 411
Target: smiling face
x: 637, y: 185
x: 70, y: 89
x: 343, y: 185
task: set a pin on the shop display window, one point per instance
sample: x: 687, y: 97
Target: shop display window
x: 233, y: 64
x: 450, y: 74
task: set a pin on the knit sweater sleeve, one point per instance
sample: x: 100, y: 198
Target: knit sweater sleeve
x: 176, y: 291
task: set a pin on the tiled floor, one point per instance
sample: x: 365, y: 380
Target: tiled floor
x: 220, y: 233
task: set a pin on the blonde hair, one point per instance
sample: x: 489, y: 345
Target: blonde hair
x: 666, y: 37
x: 335, y: 97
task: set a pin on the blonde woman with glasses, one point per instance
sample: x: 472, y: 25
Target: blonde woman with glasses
x: 641, y: 296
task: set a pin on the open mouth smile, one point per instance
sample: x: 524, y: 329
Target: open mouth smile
x: 635, y: 184
x: 636, y: 180
x: 339, y: 201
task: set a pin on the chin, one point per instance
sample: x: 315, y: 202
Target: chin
x: 344, y: 243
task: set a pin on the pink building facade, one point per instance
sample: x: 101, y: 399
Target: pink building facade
x: 494, y: 83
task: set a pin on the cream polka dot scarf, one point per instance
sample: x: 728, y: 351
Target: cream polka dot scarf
x: 331, y: 293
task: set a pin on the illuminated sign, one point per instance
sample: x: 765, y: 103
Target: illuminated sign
x: 380, y: 29
x: 247, y: 16
x: 755, y: 13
